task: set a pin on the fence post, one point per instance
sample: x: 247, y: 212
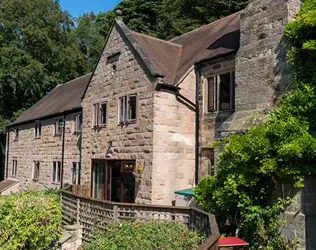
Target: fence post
x: 116, y: 213
x: 78, y: 211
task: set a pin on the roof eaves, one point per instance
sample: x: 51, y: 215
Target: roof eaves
x: 56, y: 115
x: 138, y: 49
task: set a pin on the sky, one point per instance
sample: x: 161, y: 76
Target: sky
x: 78, y: 7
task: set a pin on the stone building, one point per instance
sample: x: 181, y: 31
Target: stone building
x: 151, y: 108
x: 140, y: 126
x: 45, y: 141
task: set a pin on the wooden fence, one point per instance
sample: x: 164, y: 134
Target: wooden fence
x: 96, y: 214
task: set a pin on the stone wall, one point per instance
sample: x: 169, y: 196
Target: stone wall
x: 129, y: 142
x: 299, y: 217
x: 46, y: 149
x: 263, y: 73
x: 174, y: 142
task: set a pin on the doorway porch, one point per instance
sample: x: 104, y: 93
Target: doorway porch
x: 113, y: 180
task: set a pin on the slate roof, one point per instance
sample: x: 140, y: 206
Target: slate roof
x: 168, y: 59
x: 175, y: 57
x: 63, y: 98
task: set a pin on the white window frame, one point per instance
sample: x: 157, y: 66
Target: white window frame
x: 76, y: 173
x: 58, y: 128
x: 124, y: 109
x: 16, y: 134
x: 14, y: 167
x: 95, y: 115
x: 36, y: 170
x: 216, y: 92
x: 56, y: 172
x: 38, y: 129
x: 77, y: 123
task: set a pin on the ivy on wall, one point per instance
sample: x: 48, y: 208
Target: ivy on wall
x: 284, y: 147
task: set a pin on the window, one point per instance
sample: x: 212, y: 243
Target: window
x: 99, y: 114
x: 16, y: 134
x: 56, y: 172
x: 36, y: 170
x: 77, y: 124
x: 127, y: 109
x: 95, y: 115
x: 38, y: 129
x: 103, y: 113
x: 14, y: 167
x: 219, y: 95
x: 59, y: 124
x: 76, y: 173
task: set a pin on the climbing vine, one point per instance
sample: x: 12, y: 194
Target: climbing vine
x: 253, y: 164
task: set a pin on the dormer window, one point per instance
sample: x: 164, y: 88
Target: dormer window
x: 219, y: 92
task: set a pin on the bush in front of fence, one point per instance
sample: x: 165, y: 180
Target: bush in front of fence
x: 30, y: 220
x: 146, y: 235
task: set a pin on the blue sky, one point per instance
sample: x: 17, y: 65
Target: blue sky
x: 77, y: 7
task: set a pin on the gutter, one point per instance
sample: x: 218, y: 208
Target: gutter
x: 75, y: 110
x: 197, y: 123
x: 63, y: 154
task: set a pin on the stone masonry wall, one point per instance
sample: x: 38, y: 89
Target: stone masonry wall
x: 129, y: 142
x: 300, y: 216
x: 211, y: 121
x: 263, y: 73
x: 46, y: 149
x: 174, y: 142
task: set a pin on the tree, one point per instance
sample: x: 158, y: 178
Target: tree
x: 89, y: 35
x: 36, y: 53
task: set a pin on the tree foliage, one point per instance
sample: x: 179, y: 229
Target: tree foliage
x: 283, y: 148
x: 30, y: 220
x: 40, y: 45
x: 36, y: 53
x: 145, y: 235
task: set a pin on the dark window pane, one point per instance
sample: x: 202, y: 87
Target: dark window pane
x: 74, y: 173
x: 80, y: 122
x: 58, y: 172
x: 132, y: 108
x: 79, y: 173
x: 225, y: 92
x: 54, y: 172
x: 103, y: 111
x: 39, y: 129
x: 211, y: 88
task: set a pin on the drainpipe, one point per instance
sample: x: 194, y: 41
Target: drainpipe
x: 7, y: 149
x: 197, y: 124
x: 63, y: 154
x: 80, y: 158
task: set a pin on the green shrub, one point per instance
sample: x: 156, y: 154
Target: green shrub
x: 30, y: 220
x: 145, y: 236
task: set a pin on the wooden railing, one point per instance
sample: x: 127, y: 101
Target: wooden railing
x: 96, y: 214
